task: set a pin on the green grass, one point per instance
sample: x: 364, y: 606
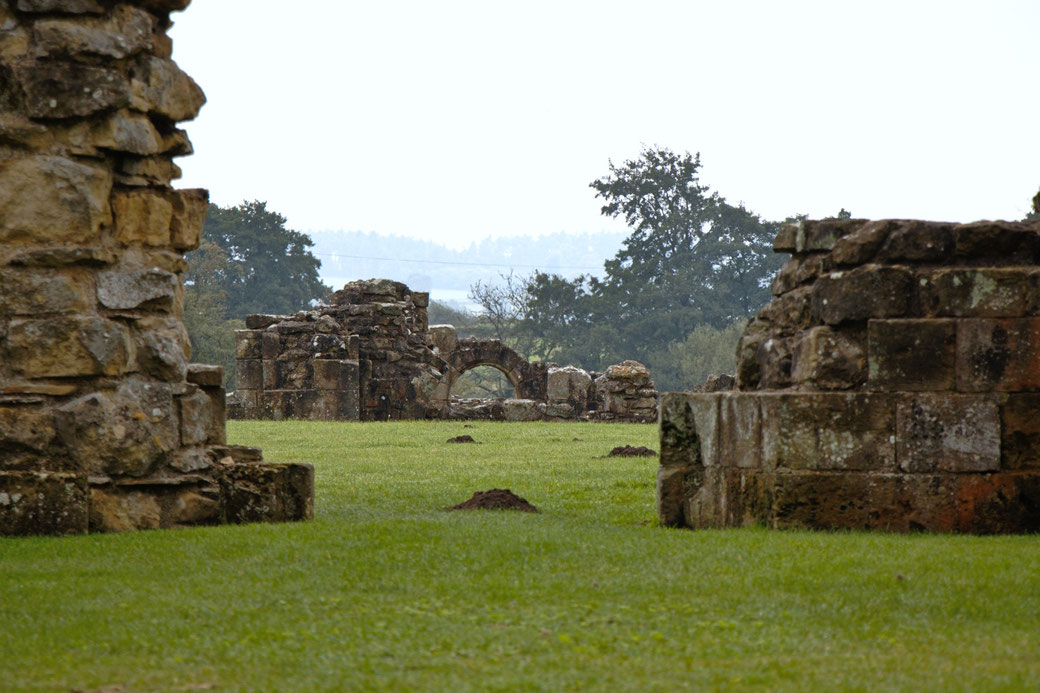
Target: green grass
x: 387, y: 591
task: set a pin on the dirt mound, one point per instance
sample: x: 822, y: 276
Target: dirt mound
x: 461, y: 439
x: 629, y: 451
x: 496, y: 499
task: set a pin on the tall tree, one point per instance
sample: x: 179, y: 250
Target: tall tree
x: 692, y: 259
x: 271, y: 268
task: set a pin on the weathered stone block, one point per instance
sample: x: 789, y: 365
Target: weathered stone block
x: 32, y: 291
x: 336, y: 374
x: 521, y: 410
x: 114, y: 509
x: 205, y: 375
x: 190, y: 207
x: 260, y: 492
x: 1020, y: 431
x: 339, y: 405
x: 127, y: 132
x: 918, y: 241
x: 1002, y: 355
x: 126, y: 288
x: 740, y: 430
x: 1006, y: 240
x: 24, y: 429
x: 196, y: 417
x: 249, y: 374
x: 270, y: 344
x: 290, y: 404
x: 126, y: 31
x: 869, y: 291
x: 248, y: 344
x: 829, y: 500
x: 775, y: 362
x: 828, y: 431
x: 829, y: 359
x: 912, y: 355
x: 126, y: 432
x: 56, y: 89
x: 67, y: 346
x: 1004, y: 292
x: 569, y: 385
x: 746, y: 497
x: 142, y: 217
x: 62, y: 6
x: 52, y: 199
x: 163, y: 347
x: 861, y: 245
x: 944, y: 432
x: 43, y: 503
x: 159, y: 86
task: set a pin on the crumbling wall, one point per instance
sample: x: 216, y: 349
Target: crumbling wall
x: 893, y: 383
x: 364, y: 356
x: 104, y: 425
x: 369, y: 355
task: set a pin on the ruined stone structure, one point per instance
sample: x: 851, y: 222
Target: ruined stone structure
x: 104, y: 425
x: 893, y: 383
x: 369, y: 355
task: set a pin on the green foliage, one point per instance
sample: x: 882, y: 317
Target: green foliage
x: 1034, y: 213
x: 692, y: 259
x: 386, y: 591
x: 205, y: 310
x: 706, y: 351
x: 270, y: 268
x: 443, y: 314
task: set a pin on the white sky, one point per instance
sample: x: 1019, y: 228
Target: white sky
x: 454, y: 121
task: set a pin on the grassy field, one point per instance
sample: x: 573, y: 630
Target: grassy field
x: 385, y: 590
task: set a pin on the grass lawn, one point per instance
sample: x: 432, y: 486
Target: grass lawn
x: 385, y: 590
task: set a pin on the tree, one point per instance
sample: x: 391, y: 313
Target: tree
x: 1034, y: 214
x: 692, y: 259
x: 205, y: 309
x: 270, y: 267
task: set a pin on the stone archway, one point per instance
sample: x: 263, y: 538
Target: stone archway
x: 465, y: 354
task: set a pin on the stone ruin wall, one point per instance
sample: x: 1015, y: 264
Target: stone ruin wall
x: 892, y: 384
x: 104, y: 425
x: 369, y: 355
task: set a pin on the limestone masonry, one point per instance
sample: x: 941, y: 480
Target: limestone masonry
x: 369, y: 355
x: 104, y: 425
x: 893, y: 383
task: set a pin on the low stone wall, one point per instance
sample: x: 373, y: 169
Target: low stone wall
x: 104, y: 425
x: 893, y: 383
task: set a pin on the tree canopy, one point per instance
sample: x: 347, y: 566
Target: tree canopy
x: 270, y: 268
x: 692, y: 259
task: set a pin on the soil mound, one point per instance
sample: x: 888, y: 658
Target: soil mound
x: 461, y: 439
x: 629, y: 451
x: 496, y: 499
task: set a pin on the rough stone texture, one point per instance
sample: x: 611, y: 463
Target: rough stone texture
x: 893, y: 384
x: 369, y: 355
x: 104, y: 425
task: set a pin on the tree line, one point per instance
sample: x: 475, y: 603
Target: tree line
x: 676, y: 296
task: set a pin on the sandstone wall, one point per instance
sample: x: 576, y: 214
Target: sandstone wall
x: 104, y: 425
x: 893, y: 383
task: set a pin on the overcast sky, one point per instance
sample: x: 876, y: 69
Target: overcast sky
x: 453, y: 121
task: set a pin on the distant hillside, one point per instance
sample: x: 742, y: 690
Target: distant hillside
x: 426, y: 266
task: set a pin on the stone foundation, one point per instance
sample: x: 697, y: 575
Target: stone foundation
x: 891, y: 384
x: 104, y: 425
